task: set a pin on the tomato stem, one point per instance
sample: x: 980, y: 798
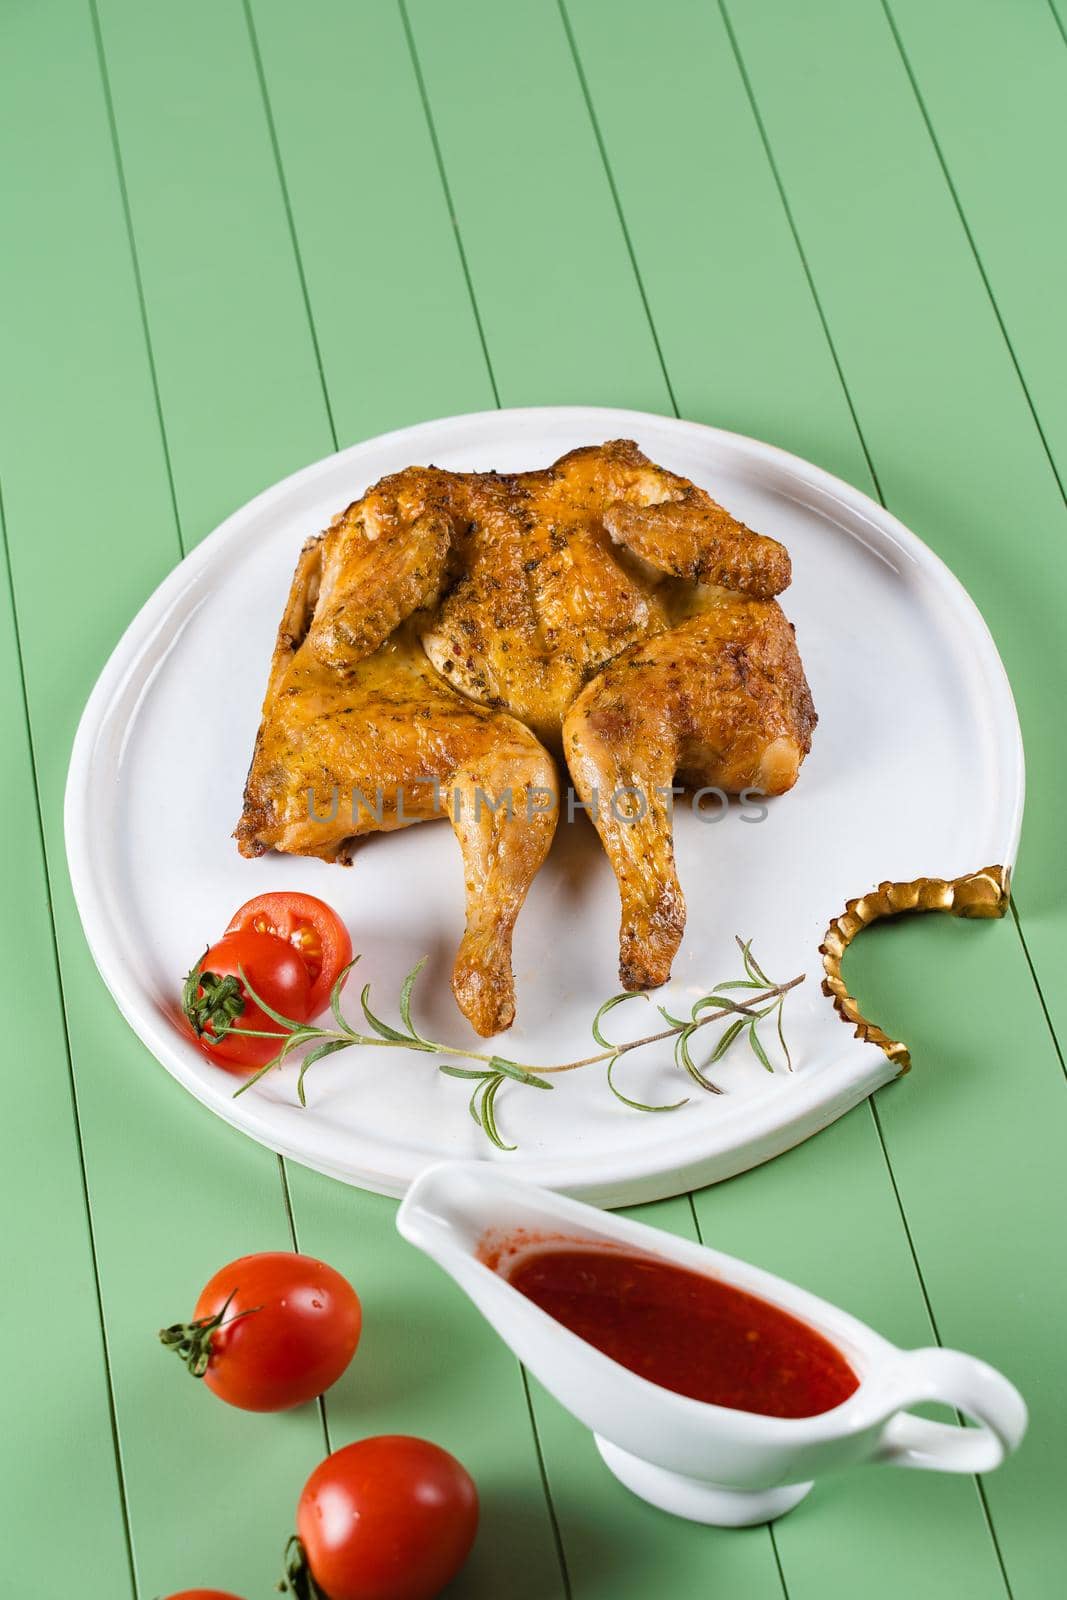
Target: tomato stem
x: 211, y: 1002
x: 298, y: 1580
x: 192, y: 1340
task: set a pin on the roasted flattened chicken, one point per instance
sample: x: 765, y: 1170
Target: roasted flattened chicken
x: 451, y: 634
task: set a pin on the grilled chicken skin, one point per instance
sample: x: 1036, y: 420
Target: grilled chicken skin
x: 719, y: 700
x: 449, y: 630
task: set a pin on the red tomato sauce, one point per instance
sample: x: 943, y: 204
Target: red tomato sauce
x: 686, y: 1332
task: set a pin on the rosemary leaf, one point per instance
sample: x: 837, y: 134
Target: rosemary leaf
x: 639, y: 1105
x: 275, y: 1016
x: 405, y: 998
x: 713, y: 1002
x: 511, y: 1069
x: 243, y: 1088
x: 685, y: 1059
x: 335, y: 998
x: 316, y: 1055
x: 781, y: 1036
x: 752, y: 966
x: 729, y: 1034
x: 492, y: 1089
x: 609, y: 1005
x: 383, y: 1028
x: 757, y: 1047
x: 300, y: 1035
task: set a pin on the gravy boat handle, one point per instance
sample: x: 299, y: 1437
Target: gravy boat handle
x: 984, y: 1395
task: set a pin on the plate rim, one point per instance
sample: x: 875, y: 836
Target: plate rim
x: 855, y: 1072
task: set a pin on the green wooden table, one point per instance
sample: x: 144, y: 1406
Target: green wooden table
x: 238, y: 236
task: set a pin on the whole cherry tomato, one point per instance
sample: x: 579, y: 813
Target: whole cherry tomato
x: 202, y: 1594
x: 314, y: 930
x: 270, y: 1331
x: 391, y: 1518
x: 215, y: 998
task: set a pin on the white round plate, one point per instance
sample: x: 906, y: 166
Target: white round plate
x: 916, y: 769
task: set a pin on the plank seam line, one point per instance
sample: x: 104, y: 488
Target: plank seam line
x: 290, y: 1216
x: 795, y: 231
x: 987, y: 286
x: 109, y: 104
x: 777, y: 1558
x: 116, y: 1444
x: 1058, y: 20
x: 150, y: 356
x: 978, y: 1484
x: 290, y: 222
x: 1029, y: 961
x: 972, y: 244
x: 557, y: 1536
x: 769, y: 1526
x: 591, y: 112
x: 453, y: 218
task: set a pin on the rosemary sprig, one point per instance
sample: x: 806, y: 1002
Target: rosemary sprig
x: 763, y: 998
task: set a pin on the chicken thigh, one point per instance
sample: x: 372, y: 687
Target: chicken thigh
x: 720, y: 700
x: 356, y: 740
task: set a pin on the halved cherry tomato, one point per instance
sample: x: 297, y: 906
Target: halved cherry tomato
x: 311, y: 927
x: 391, y: 1518
x: 216, y: 1001
x: 270, y: 1331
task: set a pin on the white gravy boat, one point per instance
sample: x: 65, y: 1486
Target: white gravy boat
x: 706, y: 1462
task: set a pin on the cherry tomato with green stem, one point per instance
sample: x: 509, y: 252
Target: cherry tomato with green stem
x: 231, y: 1029
x: 270, y: 1331
x: 390, y: 1518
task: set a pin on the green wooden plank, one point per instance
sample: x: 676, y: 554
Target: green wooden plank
x: 561, y: 310
x: 993, y: 83
x: 824, y: 1216
x: 173, y: 1194
x: 397, y: 330
x: 734, y: 315
x: 958, y: 456
x: 74, y: 1466
x: 172, y: 154
x: 215, y: 255
x: 429, y: 1365
x: 977, y: 1150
